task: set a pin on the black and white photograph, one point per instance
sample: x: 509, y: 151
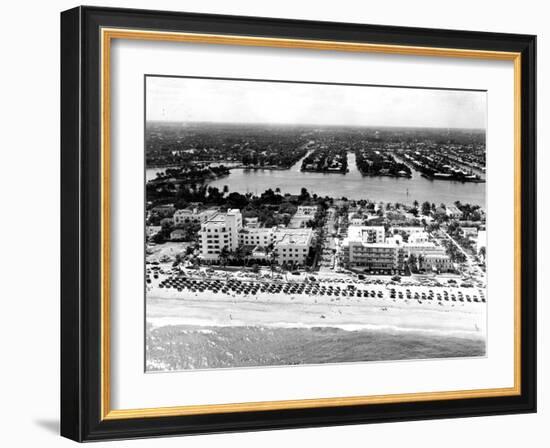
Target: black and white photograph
x: 287, y: 220
x: 291, y: 223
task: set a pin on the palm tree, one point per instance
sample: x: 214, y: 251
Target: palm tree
x: 224, y: 255
x: 412, y: 262
x: 420, y: 261
x: 240, y: 255
x: 272, y: 256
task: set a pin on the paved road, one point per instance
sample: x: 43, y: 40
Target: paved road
x: 469, y: 259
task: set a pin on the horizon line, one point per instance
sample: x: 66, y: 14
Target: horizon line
x: 310, y: 125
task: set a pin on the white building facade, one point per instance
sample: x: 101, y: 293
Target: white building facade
x: 366, y: 248
x: 218, y: 232
x: 436, y: 262
x: 256, y: 236
x: 291, y: 246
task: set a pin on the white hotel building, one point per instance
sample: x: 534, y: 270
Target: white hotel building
x: 290, y: 246
x: 219, y: 231
x: 257, y: 236
x: 367, y: 248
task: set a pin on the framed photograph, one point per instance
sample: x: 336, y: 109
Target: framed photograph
x: 276, y: 224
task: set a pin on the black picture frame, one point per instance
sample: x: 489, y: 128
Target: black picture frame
x: 81, y: 224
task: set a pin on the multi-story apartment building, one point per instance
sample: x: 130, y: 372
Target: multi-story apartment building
x: 366, y: 248
x: 373, y: 256
x: 256, y: 236
x: 292, y: 246
x: 219, y: 231
x: 367, y: 234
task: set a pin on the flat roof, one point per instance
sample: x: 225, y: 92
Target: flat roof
x: 220, y: 217
x: 299, y: 237
x: 378, y: 245
x: 436, y: 256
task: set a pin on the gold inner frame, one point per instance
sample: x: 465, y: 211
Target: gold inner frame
x: 107, y: 35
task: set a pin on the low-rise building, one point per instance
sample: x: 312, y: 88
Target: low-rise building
x: 177, y: 234
x: 192, y: 215
x: 307, y: 210
x: 453, y: 212
x: 418, y: 242
x: 409, y: 230
x: 151, y: 231
x: 436, y: 262
x: 291, y: 246
x: 423, y: 248
x: 164, y: 210
x: 303, y: 215
x: 469, y: 232
x: 419, y: 237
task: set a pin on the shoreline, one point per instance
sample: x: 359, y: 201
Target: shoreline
x: 302, y: 311
x: 181, y: 347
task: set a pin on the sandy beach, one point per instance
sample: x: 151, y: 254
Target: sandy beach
x: 172, y: 307
x: 199, y: 320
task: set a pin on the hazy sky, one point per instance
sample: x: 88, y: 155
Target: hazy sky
x: 188, y: 100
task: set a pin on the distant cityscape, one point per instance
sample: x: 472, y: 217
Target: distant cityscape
x: 452, y: 154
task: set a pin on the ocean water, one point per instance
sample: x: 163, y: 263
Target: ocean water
x: 181, y: 347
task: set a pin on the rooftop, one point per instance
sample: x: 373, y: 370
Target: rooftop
x: 221, y: 217
x: 298, y: 237
x: 435, y: 256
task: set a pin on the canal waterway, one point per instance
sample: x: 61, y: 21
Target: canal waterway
x: 352, y: 185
